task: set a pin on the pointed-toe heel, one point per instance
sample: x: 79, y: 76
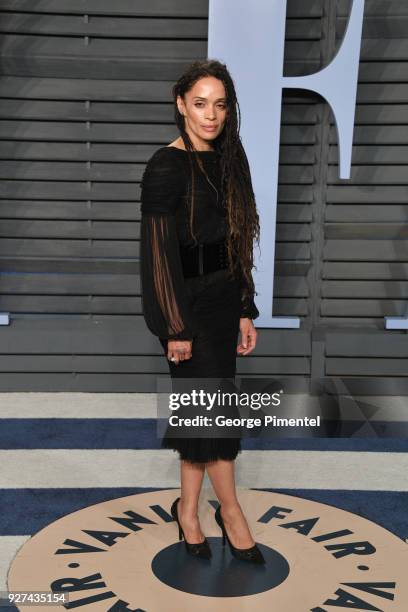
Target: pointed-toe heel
x: 202, y: 549
x: 252, y: 554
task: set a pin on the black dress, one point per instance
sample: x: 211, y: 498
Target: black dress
x: 205, y: 309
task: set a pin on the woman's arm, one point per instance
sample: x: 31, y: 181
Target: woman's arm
x: 248, y: 309
x: 249, y: 312
x: 165, y: 304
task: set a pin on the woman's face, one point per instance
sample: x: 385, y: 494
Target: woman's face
x: 205, y: 110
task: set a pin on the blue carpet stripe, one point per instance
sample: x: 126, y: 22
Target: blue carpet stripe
x: 30, y: 510
x: 58, y: 433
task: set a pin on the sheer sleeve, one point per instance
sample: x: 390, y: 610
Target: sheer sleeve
x: 165, y: 305
x: 249, y: 309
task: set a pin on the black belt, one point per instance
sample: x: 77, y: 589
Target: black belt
x: 204, y: 258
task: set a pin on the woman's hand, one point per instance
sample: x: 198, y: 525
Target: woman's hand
x: 248, y: 337
x: 178, y: 350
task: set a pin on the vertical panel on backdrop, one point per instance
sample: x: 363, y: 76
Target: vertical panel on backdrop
x: 249, y: 37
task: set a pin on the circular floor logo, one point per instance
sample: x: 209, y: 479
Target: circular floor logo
x: 124, y: 554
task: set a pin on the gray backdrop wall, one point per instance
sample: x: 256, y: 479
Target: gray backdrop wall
x: 85, y: 99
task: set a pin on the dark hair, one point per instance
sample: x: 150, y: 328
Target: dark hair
x: 243, y: 226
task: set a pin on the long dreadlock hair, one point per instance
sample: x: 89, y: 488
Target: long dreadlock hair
x: 239, y: 198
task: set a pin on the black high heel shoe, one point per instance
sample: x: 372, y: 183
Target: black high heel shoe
x: 202, y: 549
x: 252, y: 554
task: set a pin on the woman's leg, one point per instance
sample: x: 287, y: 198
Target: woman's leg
x: 222, y: 476
x: 191, y: 477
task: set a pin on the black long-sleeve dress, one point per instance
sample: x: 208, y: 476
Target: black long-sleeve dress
x: 205, y: 309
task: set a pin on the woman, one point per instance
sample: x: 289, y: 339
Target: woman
x: 199, y: 221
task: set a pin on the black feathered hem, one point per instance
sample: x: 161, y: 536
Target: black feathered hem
x: 203, y: 450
